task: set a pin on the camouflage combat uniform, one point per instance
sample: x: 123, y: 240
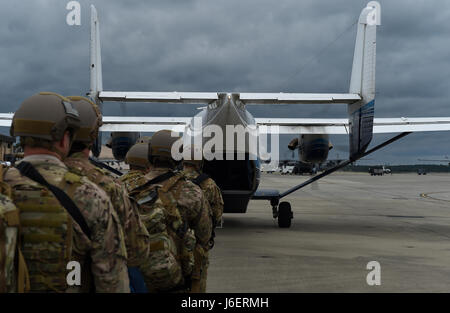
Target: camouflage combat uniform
x: 136, y: 235
x: 193, y: 208
x: 8, y: 240
x: 211, y: 191
x: 215, y: 204
x: 133, y: 179
x: 102, y: 258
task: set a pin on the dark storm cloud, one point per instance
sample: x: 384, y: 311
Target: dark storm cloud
x: 252, y: 45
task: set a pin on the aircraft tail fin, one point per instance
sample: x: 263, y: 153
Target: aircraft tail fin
x: 96, y: 72
x: 95, y: 57
x: 361, y: 113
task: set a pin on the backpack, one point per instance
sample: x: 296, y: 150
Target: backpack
x: 46, y: 231
x: 172, y: 243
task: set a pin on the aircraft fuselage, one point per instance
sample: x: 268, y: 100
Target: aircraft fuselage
x: 237, y: 169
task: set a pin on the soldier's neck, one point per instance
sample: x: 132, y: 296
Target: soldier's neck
x: 29, y: 151
x: 83, y: 154
x: 86, y: 152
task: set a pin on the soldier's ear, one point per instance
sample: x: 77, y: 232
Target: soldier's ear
x: 66, y: 142
x: 62, y: 146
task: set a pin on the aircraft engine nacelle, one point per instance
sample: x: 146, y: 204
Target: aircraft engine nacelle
x: 312, y: 148
x: 121, y: 142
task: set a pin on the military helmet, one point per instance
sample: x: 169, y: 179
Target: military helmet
x: 91, y: 119
x: 138, y: 155
x: 161, y: 144
x: 45, y: 115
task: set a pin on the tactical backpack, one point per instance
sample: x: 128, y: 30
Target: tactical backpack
x: 171, y: 260
x: 46, y: 231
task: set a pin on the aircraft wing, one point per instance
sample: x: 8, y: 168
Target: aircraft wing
x: 143, y: 124
x: 127, y: 124
x: 285, y: 125
x: 341, y: 126
x: 5, y: 119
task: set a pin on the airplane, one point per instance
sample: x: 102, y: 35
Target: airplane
x: 239, y: 179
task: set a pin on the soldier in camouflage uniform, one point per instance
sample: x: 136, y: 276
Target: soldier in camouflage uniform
x: 51, y: 233
x: 12, y: 278
x: 192, y: 169
x: 188, y: 198
x: 136, y: 235
x: 137, y: 159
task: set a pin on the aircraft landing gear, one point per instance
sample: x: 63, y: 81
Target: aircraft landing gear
x: 285, y: 215
x: 283, y: 212
x: 274, y: 203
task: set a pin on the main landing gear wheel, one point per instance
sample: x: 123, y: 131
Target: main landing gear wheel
x: 285, y: 215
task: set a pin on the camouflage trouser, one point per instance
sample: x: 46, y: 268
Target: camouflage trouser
x: 200, y: 273
x: 199, y: 286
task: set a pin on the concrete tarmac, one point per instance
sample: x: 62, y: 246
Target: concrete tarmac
x: 340, y: 224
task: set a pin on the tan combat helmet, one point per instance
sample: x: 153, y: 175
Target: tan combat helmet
x: 137, y: 156
x: 44, y: 117
x: 91, y: 120
x: 161, y: 147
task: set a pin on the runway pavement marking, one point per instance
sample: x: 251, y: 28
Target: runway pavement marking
x: 427, y: 196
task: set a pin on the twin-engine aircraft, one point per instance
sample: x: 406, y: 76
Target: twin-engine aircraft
x: 239, y: 178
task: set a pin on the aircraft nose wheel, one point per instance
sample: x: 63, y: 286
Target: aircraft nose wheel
x: 285, y: 215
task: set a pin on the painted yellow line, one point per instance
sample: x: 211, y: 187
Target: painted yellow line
x: 427, y: 196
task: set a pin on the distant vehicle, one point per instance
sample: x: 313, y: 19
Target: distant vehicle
x: 421, y: 171
x: 287, y: 169
x: 386, y: 170
x: 376, y: 171
x: 267, y: 168
x: 379, y: 171
x: 301, y: 168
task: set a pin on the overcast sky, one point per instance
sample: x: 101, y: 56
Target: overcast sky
x: 246, y: 45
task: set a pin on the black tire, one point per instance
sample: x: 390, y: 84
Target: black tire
x: 284, y: 215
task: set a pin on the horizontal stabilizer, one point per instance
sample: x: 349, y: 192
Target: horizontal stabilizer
x: 169, y: 97
x: 274, y: 98
x: 247, y: 98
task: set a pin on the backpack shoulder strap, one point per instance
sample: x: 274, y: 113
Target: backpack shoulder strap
x: 28, y: 170
x: 200, y: 179
x: 158, y: 179
x: 153, y: 194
